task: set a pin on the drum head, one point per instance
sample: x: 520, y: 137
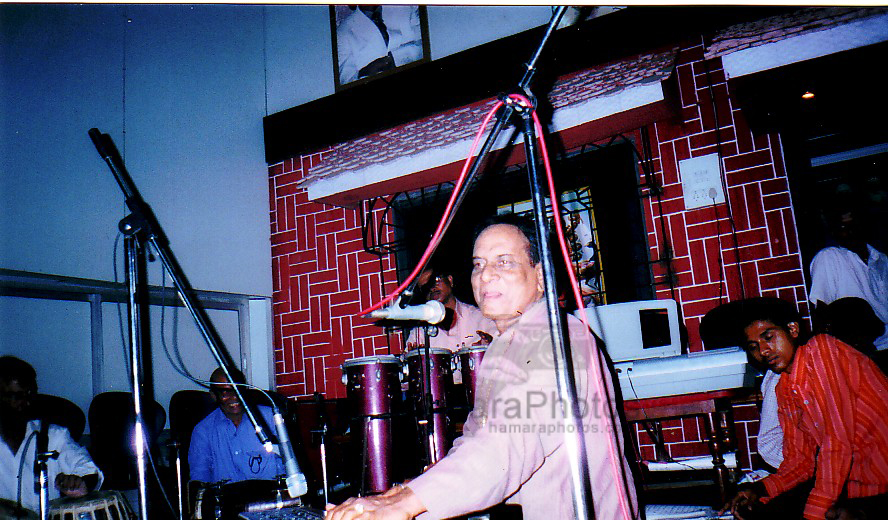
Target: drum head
x: 470, y: 350
x: 436, y: 351
x: 371, y: 360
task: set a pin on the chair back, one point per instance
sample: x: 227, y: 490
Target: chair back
x: 187, y: 408
x: 63, y: 412
x: 112, y: 424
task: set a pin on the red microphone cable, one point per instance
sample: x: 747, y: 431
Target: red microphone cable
x: 442, y: 225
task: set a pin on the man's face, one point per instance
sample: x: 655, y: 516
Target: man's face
x: 504, y: 281
x: 771, y: 345
x: 440, y: 288
x: 848, y: 232
x: 225, y: 397
x: 16, y: 396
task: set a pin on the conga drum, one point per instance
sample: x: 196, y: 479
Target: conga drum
x: 374, y: 387
x: 469, y: 359
x: 96, y: 505
x: 429, y: 380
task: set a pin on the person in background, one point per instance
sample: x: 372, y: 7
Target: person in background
x: 464, y: 325
x: 832, y: 403
x: 72, y: 474
x: 850, y: 268
x: 375, y: 38
x: 853, y: 321
x: 224, y: 445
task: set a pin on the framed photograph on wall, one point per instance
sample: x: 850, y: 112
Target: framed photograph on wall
x: 371, y: 41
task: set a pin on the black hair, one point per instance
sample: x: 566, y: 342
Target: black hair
x: 236, y: 376
x: 777, y: 311
x: 851, y: 320
x: 524, y: 224
x: 14, y: 369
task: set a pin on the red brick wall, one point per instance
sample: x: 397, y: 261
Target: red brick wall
x: 765, y: 255
x: 322, y: 280
x: 323, y: 277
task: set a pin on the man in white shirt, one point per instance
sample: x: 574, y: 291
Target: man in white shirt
x: 375, y: 38
x: 72, y: 473
x: 851, y: 268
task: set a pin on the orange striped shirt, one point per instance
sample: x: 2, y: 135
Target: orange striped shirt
x: 833, y: 408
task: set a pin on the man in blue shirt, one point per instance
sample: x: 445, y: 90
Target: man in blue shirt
x: 224, y: 445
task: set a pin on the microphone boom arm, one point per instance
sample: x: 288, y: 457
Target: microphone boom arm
x: 141, y: 226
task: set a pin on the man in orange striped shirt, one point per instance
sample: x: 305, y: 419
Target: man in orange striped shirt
x: 833, y: 408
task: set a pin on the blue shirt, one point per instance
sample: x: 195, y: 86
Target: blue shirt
x: 222, y: 451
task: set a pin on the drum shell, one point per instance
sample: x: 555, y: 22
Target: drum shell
x: 440, y: 379
x: 373, y: 384
x: 378, y: 455
x: 469, y: 361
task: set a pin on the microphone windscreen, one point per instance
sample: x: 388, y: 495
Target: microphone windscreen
x: 449, y: 319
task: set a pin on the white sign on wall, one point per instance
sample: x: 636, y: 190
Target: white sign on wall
x: 701, y: 181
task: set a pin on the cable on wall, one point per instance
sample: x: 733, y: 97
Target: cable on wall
x: 722, y: 177
x: 655, y: 189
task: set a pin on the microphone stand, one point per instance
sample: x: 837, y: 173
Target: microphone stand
x: 41, y: 457
x: 427, y: 397
x: 563, y: 371
x: 141, y: 227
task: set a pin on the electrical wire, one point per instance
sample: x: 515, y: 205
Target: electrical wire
x: 724, y: 183
x: 180, y: 367
x: 21, y: 469
x: 123, y: 337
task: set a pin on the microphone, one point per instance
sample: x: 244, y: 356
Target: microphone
x: 449, y: 318
x: 432, y: 312
x: 296, y: 483
x: 100, y: 141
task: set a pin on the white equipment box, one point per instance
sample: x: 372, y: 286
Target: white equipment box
x: 685, y: 374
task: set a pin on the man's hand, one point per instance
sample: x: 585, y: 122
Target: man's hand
x: 743, y: 502
x: 398, y: 503
x: 485, y: 338
x: 71, y: 485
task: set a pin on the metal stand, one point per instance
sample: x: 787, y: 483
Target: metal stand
x: 567, y: 390
x: 141, y: 227
x: 563, y: 370
x: 40, y: 459
x: 428, y: 434
x: 136, y: 281
x: 180, y: 492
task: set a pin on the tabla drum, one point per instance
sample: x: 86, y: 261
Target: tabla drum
x: 429, y: 381
x: 373, y: 384
x: 96, y: 505
x: 469, y: 359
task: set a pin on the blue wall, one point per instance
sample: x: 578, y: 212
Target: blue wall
x: 182, y: 91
